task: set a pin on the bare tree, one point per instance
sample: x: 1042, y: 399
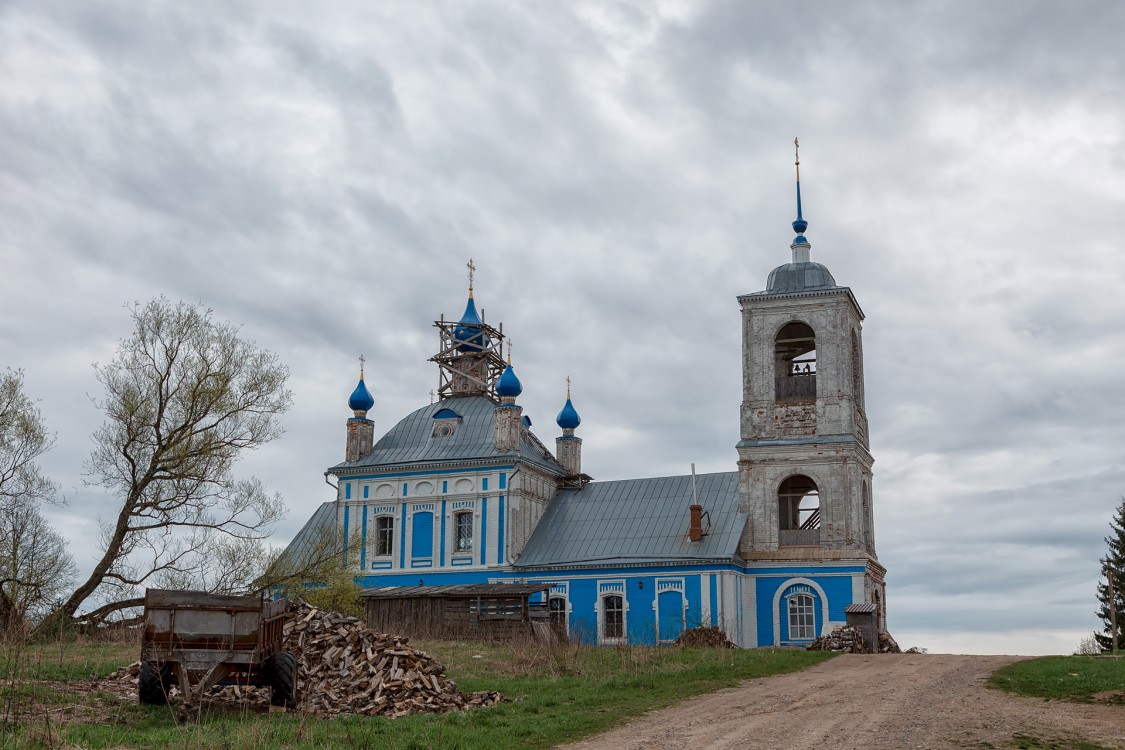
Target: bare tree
x: 35, y: 566
x: 185, y: 396
x: 23, y: 439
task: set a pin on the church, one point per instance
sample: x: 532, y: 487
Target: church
x: 461, y: 491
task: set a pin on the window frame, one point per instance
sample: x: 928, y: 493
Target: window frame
x: 463, y: 518
x: 383, y: 538
x: 606, y: 635
x: 801, y: 609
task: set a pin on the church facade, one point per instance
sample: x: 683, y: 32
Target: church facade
x: 462, y: 491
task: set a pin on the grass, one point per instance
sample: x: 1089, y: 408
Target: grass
x: 1076, y: 678
x: 1027, y: 742
x: 553, y: 695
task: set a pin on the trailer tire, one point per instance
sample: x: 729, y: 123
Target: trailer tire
x: 153, y: 683
x: 283, y: 680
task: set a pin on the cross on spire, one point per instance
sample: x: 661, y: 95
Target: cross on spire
x: 509, y: 351
x: 797, y: 157
x: 362, y: 360
x: 568, y: 386
x: 472, y: 268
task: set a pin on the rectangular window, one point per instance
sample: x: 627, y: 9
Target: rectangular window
x: 613, y: 617
x: 384, y: 535
x: 347, y: 490
x: 484, y: 484
x: 802, y: 619
x: 503, y: 480
x: 463, y: 531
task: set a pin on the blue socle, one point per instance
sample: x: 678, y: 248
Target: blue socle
x: 509, y: 385
x: 468, y: 329
x: 568, y: 418
x: 361, y: 400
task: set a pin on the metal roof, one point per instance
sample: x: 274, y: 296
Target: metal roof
x: 318, y: 531
x: 636, y: 521
x: 412, y: 440
x: 862, y: 608
x: 489, y: 590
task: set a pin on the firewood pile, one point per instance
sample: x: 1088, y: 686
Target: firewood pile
x: 704, y: 637
x: 845, y: 639
x: 888, y: 645
x: 848, y: 639
x: 343, y: 667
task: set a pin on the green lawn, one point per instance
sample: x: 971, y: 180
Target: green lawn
x: 1062, y: 677
x: 552, y: 695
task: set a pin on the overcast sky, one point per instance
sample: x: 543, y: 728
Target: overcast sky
x: 620, y: 172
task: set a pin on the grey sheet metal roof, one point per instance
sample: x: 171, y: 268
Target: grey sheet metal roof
x: 317, y: 532
x: 412, y: 440
x: 636, y: 521
x: 483, y: 590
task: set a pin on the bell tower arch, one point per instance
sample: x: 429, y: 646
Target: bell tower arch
x: 804, y: 460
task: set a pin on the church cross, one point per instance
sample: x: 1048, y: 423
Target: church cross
x: 362, y: 359
x: 471, y: 269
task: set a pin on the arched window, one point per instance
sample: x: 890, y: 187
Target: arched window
x: 802, y: 617
x: 795, y: 363
x: 857, y: 371
x: 868, y: 521
x: 613, y: 617
x: 798, y: 512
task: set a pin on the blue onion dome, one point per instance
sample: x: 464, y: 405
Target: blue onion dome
x: 525, y: 421
x: 568, y: 418
x: 509, y: 385
x: 361, y: 400
x: 468, y: 329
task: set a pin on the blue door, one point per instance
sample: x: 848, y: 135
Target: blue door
x: 670, y: 614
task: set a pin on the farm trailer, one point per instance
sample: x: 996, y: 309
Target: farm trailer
x: 195, y: 640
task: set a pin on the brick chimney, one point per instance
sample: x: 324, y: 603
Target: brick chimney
x: 695, y: 530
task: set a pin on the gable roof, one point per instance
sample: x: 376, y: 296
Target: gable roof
x: 636, y: 521
x: 412, y: 440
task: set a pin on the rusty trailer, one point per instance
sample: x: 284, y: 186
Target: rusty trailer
x: 195, y: 640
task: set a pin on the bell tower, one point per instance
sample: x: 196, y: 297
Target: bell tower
x: 804, y: 460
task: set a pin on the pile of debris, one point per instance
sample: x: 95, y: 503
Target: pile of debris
x: 704, y: 637
x: 845, y: 639
x: 343, y: 667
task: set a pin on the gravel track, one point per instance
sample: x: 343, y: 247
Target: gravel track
x: 862, y: 702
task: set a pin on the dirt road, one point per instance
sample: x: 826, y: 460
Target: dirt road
x: 883, y: 702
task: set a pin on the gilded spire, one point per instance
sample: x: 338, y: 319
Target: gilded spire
x: 472, y: 268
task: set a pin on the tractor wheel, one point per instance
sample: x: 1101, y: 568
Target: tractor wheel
x: 153, y: 684
x: 283, y: 680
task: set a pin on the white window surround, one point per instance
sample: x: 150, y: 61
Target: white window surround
x: 607, y: 589
x: 785, y: 586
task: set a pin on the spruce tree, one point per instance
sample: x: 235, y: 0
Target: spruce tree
x: 1115, y: 559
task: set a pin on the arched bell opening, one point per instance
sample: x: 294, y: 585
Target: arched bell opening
x: 795, y: 363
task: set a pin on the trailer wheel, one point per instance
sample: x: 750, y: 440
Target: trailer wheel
x: 153, y: 684
x: 283, y: 680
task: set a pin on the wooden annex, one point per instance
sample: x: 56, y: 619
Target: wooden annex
x: 491, y: 610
